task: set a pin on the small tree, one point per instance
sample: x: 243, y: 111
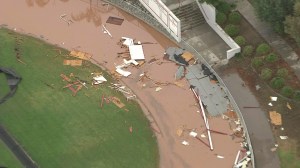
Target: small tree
x: 247, y: 50
x: 266, y: 74
x: 271, y: 57
x: 287, y: 91
x: 232, y: 30
x: 262, y: 49
x: 277, y: 82
x: 234, y: 17
x: 257, y: 62
x: 240, y: 40
x: 224, y: 7
x: 282, y: 72
x: 221, y: 18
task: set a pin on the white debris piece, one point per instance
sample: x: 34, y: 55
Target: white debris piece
x: 283, y: 137
x: 136, y: 52
x: 257, y: 87
x: 185, y: 143
x: 202, y: 136
x: 220, y: 157
x: 158, y: 89
x: 198, y: 111
x: 105, y: 31
x: 130, y: 62
x: 270, y: 104
x: 122, y: 72
x: 99, y: 79
x: 273, y: 98
x: 193, y: 134
x: 128, y: 41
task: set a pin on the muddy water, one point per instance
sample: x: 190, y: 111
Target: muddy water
x: 171, y: 107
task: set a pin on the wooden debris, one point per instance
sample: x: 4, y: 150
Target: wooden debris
x: 80, y: 55
x: 130, y: 129
x: 275, y: 118
x: 117, y: 102
x: 73, y: 62
x: 288, y: 106
x: 114, y: 20
x: 65, y: 78
x: 179, y: 132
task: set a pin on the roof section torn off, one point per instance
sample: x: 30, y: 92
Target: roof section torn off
x: 13, y: 80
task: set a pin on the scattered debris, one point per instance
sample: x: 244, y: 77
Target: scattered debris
x: 117, y: 102
x: 185, y: 143
x: 65, y: 78
x: 179, y: 73
x: 77, y: 85
x: 114, y: 20
x: 158, y: 89
x: 136, y: 52
x: 73, y: 62
x: 283, y: 137
x: 63, y: 17
x: 105, y: 31
x: 275, y: 118
x: 288, y: 106
x: 99, y: 79
x: 130, y: 129
x: 127, y: 41
x: 193, y: 134
x: 122, y: 72
x: 220, y: 157
x: 273, y: 98
x: 80, y: 55
x: 179, y: 132
x: 257, y: 87
x: 13, y: 79
x: 179, y: 84
x: 270, y: 104
x: 202, y: 136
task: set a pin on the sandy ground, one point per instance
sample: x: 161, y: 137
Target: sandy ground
x: 171, y: 108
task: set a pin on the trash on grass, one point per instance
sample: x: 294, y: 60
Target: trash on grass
x: 283, y: 137
x: 275, y: 118
x: 273, y: 98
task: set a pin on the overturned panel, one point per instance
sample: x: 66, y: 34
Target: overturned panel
x: 13, y: 79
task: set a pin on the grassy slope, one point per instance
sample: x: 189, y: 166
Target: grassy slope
x: 7, y: 158
x: 59, y: 130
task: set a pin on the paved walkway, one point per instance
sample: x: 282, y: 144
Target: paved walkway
x: 265, y: 30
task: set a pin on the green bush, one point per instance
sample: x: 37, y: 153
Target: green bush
x: 257, y: 62
x: 266, y: 74
x: 232, y: 30
x: 247, y: 50
x: 262, y: 49
x: 240, y: 40
x: 234, y: 17
x: 221, y: 18
x: 287, y: 91
x: 271, y: 57
x: 224, y: 7
x: 296, y: 95
x: 282, y: 72
x: 277, y: 82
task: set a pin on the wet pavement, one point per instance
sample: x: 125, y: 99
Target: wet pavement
x: 256, y: 120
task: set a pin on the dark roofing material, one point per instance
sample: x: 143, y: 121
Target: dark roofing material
x: 13, y: 80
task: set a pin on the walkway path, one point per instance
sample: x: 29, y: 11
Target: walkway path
x: 265, y: 30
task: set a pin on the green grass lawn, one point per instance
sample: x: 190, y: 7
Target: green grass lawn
x: 62, y: 131
x: 289, y: 159
x: 7, y: 159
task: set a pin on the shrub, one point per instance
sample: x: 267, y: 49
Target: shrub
x: 257, y: 62
x: 266, y: 74
x: 296, y: 95
x: 282, y: 72
x: 287, y: 91
x: 272, y: 57
x: 232, y: 30
x: 277, y: 82
x: 262, y: 49
x: 234, y: 17
x: 221, y: 18
x: 247, y: 50
x: 224, y: 7
x: 240, y: 40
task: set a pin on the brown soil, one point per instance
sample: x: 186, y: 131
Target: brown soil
x: 170, y: 108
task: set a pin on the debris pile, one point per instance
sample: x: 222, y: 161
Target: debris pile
x: 123, y: 89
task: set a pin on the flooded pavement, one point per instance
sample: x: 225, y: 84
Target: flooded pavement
x: 77, y: 25
x: 256, y: 120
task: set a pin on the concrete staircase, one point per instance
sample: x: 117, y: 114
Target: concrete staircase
x: 189, y: 15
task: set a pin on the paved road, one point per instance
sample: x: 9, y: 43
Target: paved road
x: 256, y: 120
x: 16, y: 149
